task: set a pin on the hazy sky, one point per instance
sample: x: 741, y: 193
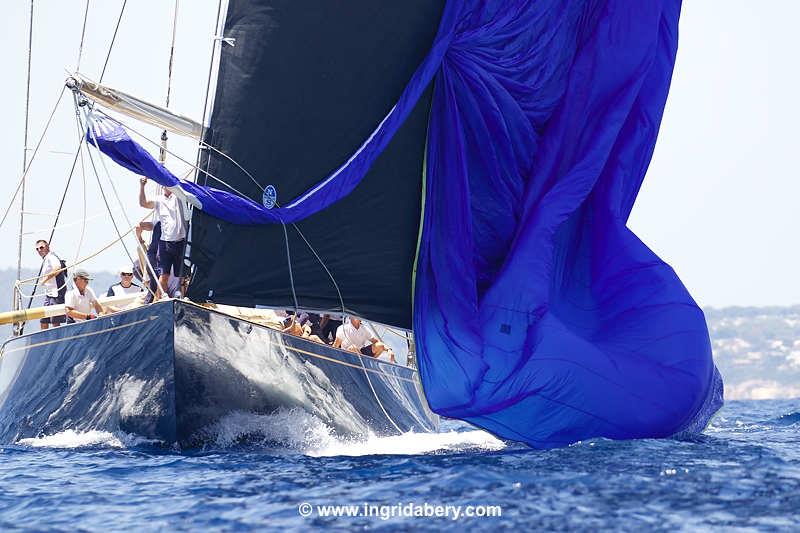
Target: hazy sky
x: 719, y: 202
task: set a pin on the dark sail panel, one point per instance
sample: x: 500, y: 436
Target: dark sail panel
x: 303, y: 87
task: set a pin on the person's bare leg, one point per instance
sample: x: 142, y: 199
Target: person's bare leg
x: 163, y: 285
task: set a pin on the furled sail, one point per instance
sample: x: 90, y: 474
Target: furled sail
x: 538, y: 314
x: 135, y: 107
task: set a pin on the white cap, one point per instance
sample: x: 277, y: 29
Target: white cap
x: 126, y: 269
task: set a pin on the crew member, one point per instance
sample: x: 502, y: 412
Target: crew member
x: 126, y: 284
x: 169, y: 212
x: 53, y: 281
x: 81, y: 301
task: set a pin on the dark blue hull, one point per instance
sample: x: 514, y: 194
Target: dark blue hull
x: 171, y: 370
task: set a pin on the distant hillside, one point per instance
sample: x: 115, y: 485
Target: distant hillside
x: 757, y: 349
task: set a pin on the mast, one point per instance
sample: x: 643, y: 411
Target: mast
x: 25, y: 145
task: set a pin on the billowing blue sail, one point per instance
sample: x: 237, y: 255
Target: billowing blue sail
x: 538, y: 314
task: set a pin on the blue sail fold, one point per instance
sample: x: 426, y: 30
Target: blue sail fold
x: 538, y: 315
x: 112, y: 139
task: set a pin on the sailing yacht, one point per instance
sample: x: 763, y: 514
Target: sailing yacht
x: 291, y: 101
x: 464, y: 169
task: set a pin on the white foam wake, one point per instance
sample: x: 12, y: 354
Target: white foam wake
x: 86, y: 439
x: 411, y: 444
x: 300, y: 431
x: 294, y: 430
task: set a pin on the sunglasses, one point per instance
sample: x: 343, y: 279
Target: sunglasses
x: 41, y: 248
x: 126, y: 273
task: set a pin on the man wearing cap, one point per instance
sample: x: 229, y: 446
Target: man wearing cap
x: 125, y: 285
x: 81, y: 301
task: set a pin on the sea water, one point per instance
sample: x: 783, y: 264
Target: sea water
x: 292, y: 473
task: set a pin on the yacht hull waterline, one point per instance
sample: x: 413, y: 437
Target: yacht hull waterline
x: 172, y: 371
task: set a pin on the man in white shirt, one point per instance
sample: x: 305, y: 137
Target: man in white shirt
x: 53, y: 281
x: 169, y: 212
x: 354, y: 337
x: 126, y: 284
x: 81, y: 300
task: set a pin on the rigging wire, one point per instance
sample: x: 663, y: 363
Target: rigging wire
x: 90, y: 130
x: 81, y: 129
x: 173, y: 154
x: 18, y: 326
x: 60, y: 207
x: 172, y: 52
x: 208, y: 80
x: 80, y: 142
x: 80, y: 152
x: 83, y: 181
x: 33, y: 156
x: 83, y: 35
x: 162, y: 153
x: 25, y: 142
x: 113, y: 39
x: 289, y: 262
x: 67, y: 224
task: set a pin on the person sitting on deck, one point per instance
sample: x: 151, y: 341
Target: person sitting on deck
x: 300, y: 327
x: 354, y: 337
x: 53, y: 280
x: 80, y: 301
x: 328, y: 327
x: 125, y: 285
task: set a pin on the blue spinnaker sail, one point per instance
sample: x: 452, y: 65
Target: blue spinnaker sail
x: 538, y: 314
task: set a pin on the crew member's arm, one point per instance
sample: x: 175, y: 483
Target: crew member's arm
x: 50, y: 275
x: 74, y: 313
x: 143, y: 201
x: 98, y: 307
x: 80, y: 316
x: 142, y: 226
x: 54, y: 270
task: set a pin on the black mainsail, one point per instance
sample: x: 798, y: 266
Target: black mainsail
x: 303, y: 86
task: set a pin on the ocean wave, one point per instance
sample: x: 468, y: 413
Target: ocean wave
x: 788, y: 419
x: 297, y: 430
